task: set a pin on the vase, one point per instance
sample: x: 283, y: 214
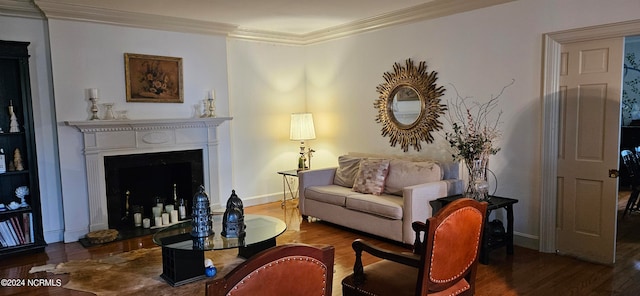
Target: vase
x: 478, y: 187
x: 108, y: 112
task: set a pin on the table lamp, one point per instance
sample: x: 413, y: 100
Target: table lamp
x: 301, y: 130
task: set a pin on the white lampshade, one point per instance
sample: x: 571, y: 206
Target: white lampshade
x: 302, y: 127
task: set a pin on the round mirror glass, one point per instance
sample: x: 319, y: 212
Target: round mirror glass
x: 405, y: 105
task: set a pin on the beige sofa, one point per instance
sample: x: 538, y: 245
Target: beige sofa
x: 351, y: 194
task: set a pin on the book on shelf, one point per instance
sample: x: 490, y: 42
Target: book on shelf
x: 6, y: 234
x: 16, y: 230
x: 3, y: 243
x: 17, y: 227
x: 13, y: 231
x: 26, y: 225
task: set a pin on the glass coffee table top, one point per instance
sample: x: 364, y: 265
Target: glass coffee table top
x: 259, y: 229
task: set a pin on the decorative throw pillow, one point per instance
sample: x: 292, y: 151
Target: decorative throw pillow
x: 347, y: 170
x: 404, y: 173
x: 371, y: 176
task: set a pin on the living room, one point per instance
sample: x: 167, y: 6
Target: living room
x: 259, y: 84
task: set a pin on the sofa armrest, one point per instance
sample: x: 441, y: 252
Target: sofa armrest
x: 416, y: 205
x: 317, y: 177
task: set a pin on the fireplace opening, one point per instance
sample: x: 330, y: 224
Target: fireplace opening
x: 140, y: 180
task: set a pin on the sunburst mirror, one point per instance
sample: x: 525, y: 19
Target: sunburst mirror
x: 409, y: 105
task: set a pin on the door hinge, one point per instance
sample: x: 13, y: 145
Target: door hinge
x: 614, y: 173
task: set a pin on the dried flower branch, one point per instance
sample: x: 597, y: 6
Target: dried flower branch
x: 474, y: 129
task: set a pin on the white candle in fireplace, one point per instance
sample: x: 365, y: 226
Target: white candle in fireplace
x: 137, y: 219
x: 165, y: 218
x: 158, y: 221
x: 174, y: 216
x: 156, y: 211
x: 146, y: 223
x: 168, y: 208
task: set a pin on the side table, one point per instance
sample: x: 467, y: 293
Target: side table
x: 489, y: 240
x: 286, y: 184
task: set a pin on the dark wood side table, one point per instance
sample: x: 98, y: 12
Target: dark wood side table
x: 489, y: 240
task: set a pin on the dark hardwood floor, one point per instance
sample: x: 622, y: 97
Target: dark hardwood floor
x: 527, y: 272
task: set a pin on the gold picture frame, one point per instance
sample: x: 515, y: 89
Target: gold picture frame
x: 154, y: 79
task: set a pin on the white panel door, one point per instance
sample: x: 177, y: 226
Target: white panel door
x: 590, y: 81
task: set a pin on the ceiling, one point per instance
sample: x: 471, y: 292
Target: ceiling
x: 291, y: 21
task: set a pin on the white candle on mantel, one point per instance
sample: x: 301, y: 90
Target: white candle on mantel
x: 212, y: 94
x: 94, y: 93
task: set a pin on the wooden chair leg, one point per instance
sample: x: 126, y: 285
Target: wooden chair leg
x: 633, y: 198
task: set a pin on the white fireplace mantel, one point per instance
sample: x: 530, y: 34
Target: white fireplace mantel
x: 123, y: 137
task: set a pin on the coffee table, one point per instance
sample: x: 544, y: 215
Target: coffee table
x: 183, y: 255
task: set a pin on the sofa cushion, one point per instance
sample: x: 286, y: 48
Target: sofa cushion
x: 403, y: 173
x: 371, y: 176
x: 331, y: 194
x: 388, y: 206
x: 347, y: 170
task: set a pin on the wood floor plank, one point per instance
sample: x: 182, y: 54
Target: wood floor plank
x: 527, y: 272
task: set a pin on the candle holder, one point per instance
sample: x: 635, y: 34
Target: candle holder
x: 108, y: 112
x: 94, y: 109
x: 212, y: 108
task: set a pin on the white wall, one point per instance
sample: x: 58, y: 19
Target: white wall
x: 88, y: 55
x: 479, y: 52
x: 35, y: 32
x: 266, y: 84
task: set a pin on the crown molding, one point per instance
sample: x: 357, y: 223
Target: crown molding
x: 20, y: 8
x: 64, y: 11
x: 55, y: 10
x: 426, y: 11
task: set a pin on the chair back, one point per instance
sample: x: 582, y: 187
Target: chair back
x: 291, y: 269
x: 630, y: 161
x: 453, y: 243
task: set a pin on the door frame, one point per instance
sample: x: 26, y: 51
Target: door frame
x: 552, y: 44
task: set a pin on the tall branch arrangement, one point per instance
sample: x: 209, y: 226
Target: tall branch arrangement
x: 474, y: 127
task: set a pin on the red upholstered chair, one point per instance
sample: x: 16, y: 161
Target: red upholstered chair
x: 443, y: 264
x: 291, y: 269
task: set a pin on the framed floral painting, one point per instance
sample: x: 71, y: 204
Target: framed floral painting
x: 155, y: 79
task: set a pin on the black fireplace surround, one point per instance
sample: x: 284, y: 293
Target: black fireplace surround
x: 147, y: 177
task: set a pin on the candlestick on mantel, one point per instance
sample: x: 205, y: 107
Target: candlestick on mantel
x: 212, y: 107
x: 93, y: 97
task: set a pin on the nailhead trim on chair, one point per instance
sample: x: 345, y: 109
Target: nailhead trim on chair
x: 271, y: 264
x: 434, y: 243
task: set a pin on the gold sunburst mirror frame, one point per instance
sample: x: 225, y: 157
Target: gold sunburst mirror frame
x: 411, y: 86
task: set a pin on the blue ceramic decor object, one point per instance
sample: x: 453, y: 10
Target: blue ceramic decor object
x: 210, y: 271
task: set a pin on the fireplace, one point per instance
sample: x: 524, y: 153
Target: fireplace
x: 105, y: 140
x: 138, y: 181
